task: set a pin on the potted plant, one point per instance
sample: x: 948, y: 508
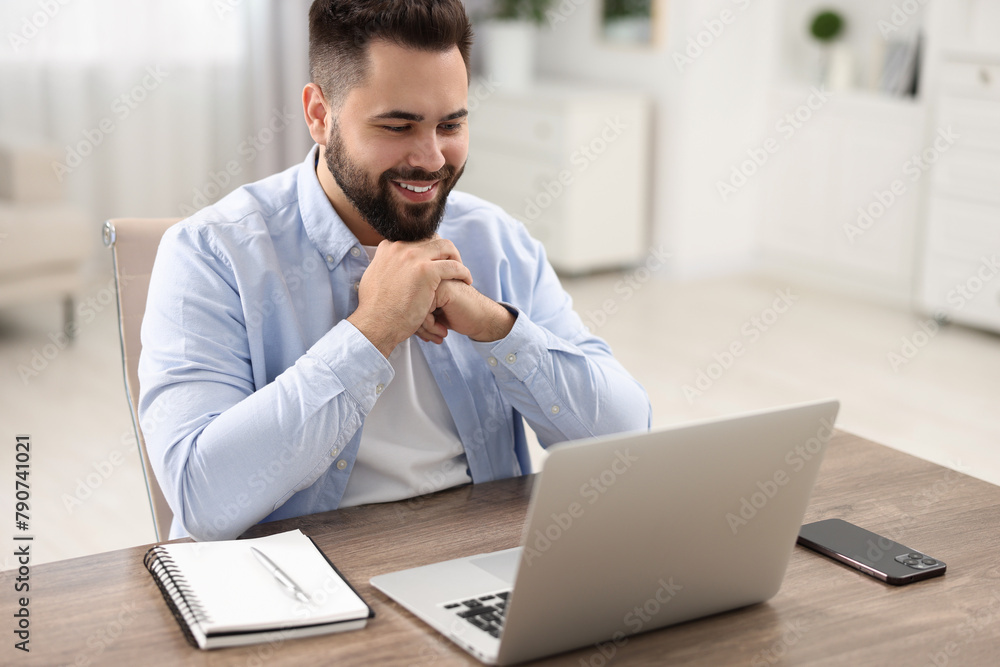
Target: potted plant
x: 836, y: 59
x: 509, y: 41
x: 627, y: 21
x: 827, y: 26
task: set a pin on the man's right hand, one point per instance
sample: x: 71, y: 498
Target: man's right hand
x: 398, y: 289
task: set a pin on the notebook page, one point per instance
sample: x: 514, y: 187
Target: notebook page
x: 238, y: 593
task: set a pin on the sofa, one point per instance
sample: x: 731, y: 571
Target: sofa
x: 44, y: 240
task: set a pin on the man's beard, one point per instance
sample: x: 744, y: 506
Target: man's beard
x: 392, y: 219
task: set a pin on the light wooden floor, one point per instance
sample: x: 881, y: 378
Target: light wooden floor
x: 88, y: 493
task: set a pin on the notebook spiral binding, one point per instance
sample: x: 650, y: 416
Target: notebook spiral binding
x: 179, y: 596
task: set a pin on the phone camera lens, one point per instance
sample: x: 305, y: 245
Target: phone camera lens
x: 916, y: 556
x: 929, y: 561
x: 910, y: 561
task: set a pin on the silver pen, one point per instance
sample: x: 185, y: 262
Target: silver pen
x: 280, y: 575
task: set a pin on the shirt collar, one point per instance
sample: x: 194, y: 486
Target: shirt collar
x: 323, y: 225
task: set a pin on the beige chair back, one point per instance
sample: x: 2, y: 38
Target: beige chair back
x: 133, y: 243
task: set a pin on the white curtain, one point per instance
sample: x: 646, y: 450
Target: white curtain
x: 158, y: 107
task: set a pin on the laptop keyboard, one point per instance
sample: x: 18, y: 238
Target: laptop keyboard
x: 485, y: 612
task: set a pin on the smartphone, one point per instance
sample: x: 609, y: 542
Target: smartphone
x: 869, y: 552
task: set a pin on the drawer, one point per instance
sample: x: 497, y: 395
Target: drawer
x: 533, y: 183
x: 534, y: 129
x: 968, y: 174
x: 961, y: 268
x: 518, y: 186
x: 975, y: 122
x: 962, y: 229
x: 967, y: 291
x: 969, y: 78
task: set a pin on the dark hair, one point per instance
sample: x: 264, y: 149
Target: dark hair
x: 341, y: 30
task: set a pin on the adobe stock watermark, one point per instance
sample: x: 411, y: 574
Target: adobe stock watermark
x: 86, y: 312
x: 900, y: 16
x: 634, y: 621
x: 105, y: 637
x: 793, y: 633
x: 942, y: 487
x: 102, y: 471
x: 86, y: 486
x: 584, y: 156
x: 957, y: 297
x: 978, y: 621
x: 433, y: 481
x: 32, y: 25
x: 561, y: 13
x: 263, y: 653
x: 245, y: 154
x: 750, y: 332
x: 482, y: 91
x: 591, y: 491
x: 914, y: 168
x: 258, y: 487
x: 438, y: 646
x: 627, y: 287
x: 121, y: 108
x: 767, y: 489
x: 911, y: 345
x: 786, y: 127
x: 259, y: 482
x: 876, y: 549
x: 294, y: 277
x: 704, y: 39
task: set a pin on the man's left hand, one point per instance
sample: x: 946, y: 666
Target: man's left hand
x: 462, y: 308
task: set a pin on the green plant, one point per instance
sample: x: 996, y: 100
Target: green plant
x: 827, y: 26
x: 531, y: 10
x: 620, y: 9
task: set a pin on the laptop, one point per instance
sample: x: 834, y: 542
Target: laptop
x: 630, y: 533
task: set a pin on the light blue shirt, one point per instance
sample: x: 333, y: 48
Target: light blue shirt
x: 254, y: 386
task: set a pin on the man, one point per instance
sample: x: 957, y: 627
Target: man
x: 350, y: 331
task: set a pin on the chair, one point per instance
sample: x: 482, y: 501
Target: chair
x: 133, y: 243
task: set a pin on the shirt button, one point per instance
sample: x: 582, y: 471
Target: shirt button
x: 355, y: 251
x: 492, y: 361
x: 511, y: 358
x: 329, y: 259
x: 555, y: 409
x: 356, y: 286
x: 379, y: 388
x: 336, y: 450
x: 341, y: 464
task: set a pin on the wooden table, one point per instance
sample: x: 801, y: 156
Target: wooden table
x: 105, y: 610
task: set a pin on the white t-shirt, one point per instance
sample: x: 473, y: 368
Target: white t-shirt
x: 409, y: 443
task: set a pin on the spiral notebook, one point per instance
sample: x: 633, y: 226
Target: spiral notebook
x: 221, y: 595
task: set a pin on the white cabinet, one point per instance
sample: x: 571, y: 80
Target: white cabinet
x: 571, y: 163
x: 960, y: 276
x: 842, y: 196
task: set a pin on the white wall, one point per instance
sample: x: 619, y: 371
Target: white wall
x: 708, y: 113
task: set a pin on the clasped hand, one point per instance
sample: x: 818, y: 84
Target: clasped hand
x: 423, y: 288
